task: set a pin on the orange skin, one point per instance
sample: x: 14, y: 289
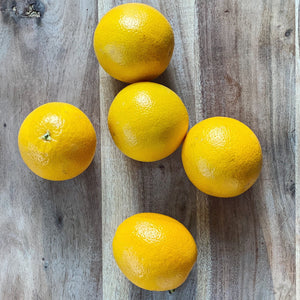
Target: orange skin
x: 57, y: 141
x: 134, y: 42
x: 147, y: 121
x: 222, y: 157
x: 154, y: 251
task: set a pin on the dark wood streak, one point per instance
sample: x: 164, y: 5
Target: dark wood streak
x: 16, y: 10
x: 296, y: 147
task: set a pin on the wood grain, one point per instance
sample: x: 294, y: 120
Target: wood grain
x: 247, y: 72
x: 156, y: 187
x: 232, y: 58
x: 297, y: 156
x: 50, y: 236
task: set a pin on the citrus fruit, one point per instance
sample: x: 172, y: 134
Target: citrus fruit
x: 222, y: 157
x: 57, y: 141
x: 154, y: 251
x: 134, y: 42
x: 147, y: 121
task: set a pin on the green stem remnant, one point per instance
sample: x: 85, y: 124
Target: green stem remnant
x: 46, y: 136
x: 171, y: 291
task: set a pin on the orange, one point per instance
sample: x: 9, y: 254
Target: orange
x: 222, y: 157
x: 57, y: 141
x: 154, y: 251
x: 134, y: 42
x: 147, y: 121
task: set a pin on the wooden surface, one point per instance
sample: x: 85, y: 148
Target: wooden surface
x: 233, y: 58
x: 297, y: 156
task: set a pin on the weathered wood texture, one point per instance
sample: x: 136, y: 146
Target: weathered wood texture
x: 232, y: 58
x: 50, y: 232
x: 297, y: 156
x: 128, y: 186
x: 241, y: 65
x: 247, y: 71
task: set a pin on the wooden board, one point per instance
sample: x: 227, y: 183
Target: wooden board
x: 247, y: 70
x: 50, y: 236
x: 232, y: 58
x: 297, y: 156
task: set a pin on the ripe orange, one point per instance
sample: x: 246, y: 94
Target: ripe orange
x: 222, y: 157
x: 147, y: 121
x: 154, y: 251
x: 57, y: 141
x: 134, y: 42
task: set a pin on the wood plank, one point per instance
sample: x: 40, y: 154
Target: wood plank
x: 247, y: 72
x: 50, y: 237
x: 297, y: 146
x: 128, y: 186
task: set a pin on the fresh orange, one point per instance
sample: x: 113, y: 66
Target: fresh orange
x: 154, y: 251
x: 222, y: 157
x: 57, y: 141
x: 147, y: 121
x: 134, y: 42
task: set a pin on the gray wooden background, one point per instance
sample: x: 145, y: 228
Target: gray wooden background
x: 232, y: 58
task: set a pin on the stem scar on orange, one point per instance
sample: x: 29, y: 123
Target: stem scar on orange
x: 57, y: 141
